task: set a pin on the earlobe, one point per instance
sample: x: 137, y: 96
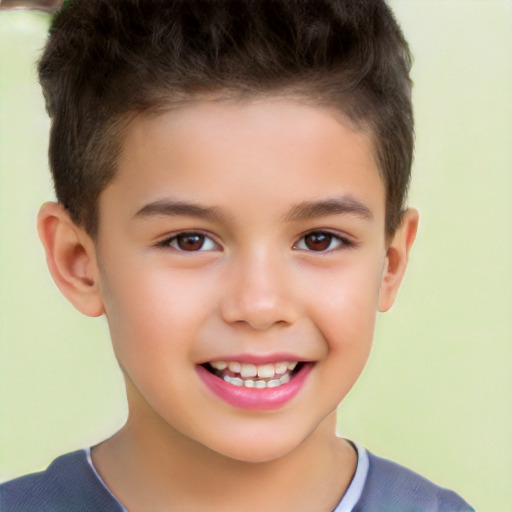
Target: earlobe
x: 397, y: 257
x: 71, y: 258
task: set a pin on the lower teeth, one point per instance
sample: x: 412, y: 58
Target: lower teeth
x: 259, y: 384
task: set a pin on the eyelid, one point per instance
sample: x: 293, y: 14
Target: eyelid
x: 345, y: 241
x: 165, y: 243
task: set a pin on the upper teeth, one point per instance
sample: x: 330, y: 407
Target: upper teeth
x: 247, y: 370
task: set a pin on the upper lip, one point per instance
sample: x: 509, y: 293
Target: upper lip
x: 258, y: 359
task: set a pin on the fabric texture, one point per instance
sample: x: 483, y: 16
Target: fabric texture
x: 390, y: 487
x: 67, y: 485
x: 70, y: 484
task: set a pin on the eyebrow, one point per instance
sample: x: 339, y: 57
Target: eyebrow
x: 347, y: 205
x: 306, y: 210
x: 169, y: 207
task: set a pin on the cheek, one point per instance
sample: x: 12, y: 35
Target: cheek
x: 154, y: 311
x: 347, y: 305
x: 347, y: 324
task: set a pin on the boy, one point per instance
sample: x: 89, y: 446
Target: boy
x: 231, y: 180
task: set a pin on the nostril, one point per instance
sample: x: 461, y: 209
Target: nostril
x: 260, y: 316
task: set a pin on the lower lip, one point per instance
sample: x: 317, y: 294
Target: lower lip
x: 254, y: 399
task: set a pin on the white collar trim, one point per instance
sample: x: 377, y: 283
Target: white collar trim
x: 89, y: 460
x: 355, y: 489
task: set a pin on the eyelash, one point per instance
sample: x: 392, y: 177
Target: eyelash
x: 340, y: 242
x: 168, y: 242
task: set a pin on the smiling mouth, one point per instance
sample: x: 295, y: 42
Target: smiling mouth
x: 258, y: 376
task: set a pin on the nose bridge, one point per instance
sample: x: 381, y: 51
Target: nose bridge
x: 259, y: 293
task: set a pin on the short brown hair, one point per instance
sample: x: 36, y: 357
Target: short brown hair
x: 106, y: 60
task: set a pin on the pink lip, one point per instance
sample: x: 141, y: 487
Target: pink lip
x: 255, y: 399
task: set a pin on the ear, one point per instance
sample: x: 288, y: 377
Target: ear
x: 71, y: 258
x: 397, y: 257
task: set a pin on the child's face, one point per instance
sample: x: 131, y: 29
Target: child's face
x: 246, y: 233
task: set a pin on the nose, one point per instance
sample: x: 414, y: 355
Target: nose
x: 259, y: 293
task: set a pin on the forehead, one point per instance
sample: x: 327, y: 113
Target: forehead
x: 262, y: 153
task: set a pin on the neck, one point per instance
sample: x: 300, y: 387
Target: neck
x: 150, y: 466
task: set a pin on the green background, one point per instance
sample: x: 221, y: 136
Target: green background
x: 437, y: 392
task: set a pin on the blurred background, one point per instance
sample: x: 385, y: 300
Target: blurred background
x: 436, y: 395
x: 49, y: 6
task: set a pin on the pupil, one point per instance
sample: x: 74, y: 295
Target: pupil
x: 190, y: 242
x: 318, y: 241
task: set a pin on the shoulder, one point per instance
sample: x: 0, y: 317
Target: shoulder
x: 67, y: 485
x: 390, y: 486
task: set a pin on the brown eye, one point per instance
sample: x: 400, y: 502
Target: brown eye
x: 318, y: 241
x: 322, y: 241
x: 191, y: 242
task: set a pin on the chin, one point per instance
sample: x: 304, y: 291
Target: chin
x: 256, y: 454
x: 258, y: 447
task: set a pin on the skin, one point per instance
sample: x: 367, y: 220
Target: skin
x: 258, y: 284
